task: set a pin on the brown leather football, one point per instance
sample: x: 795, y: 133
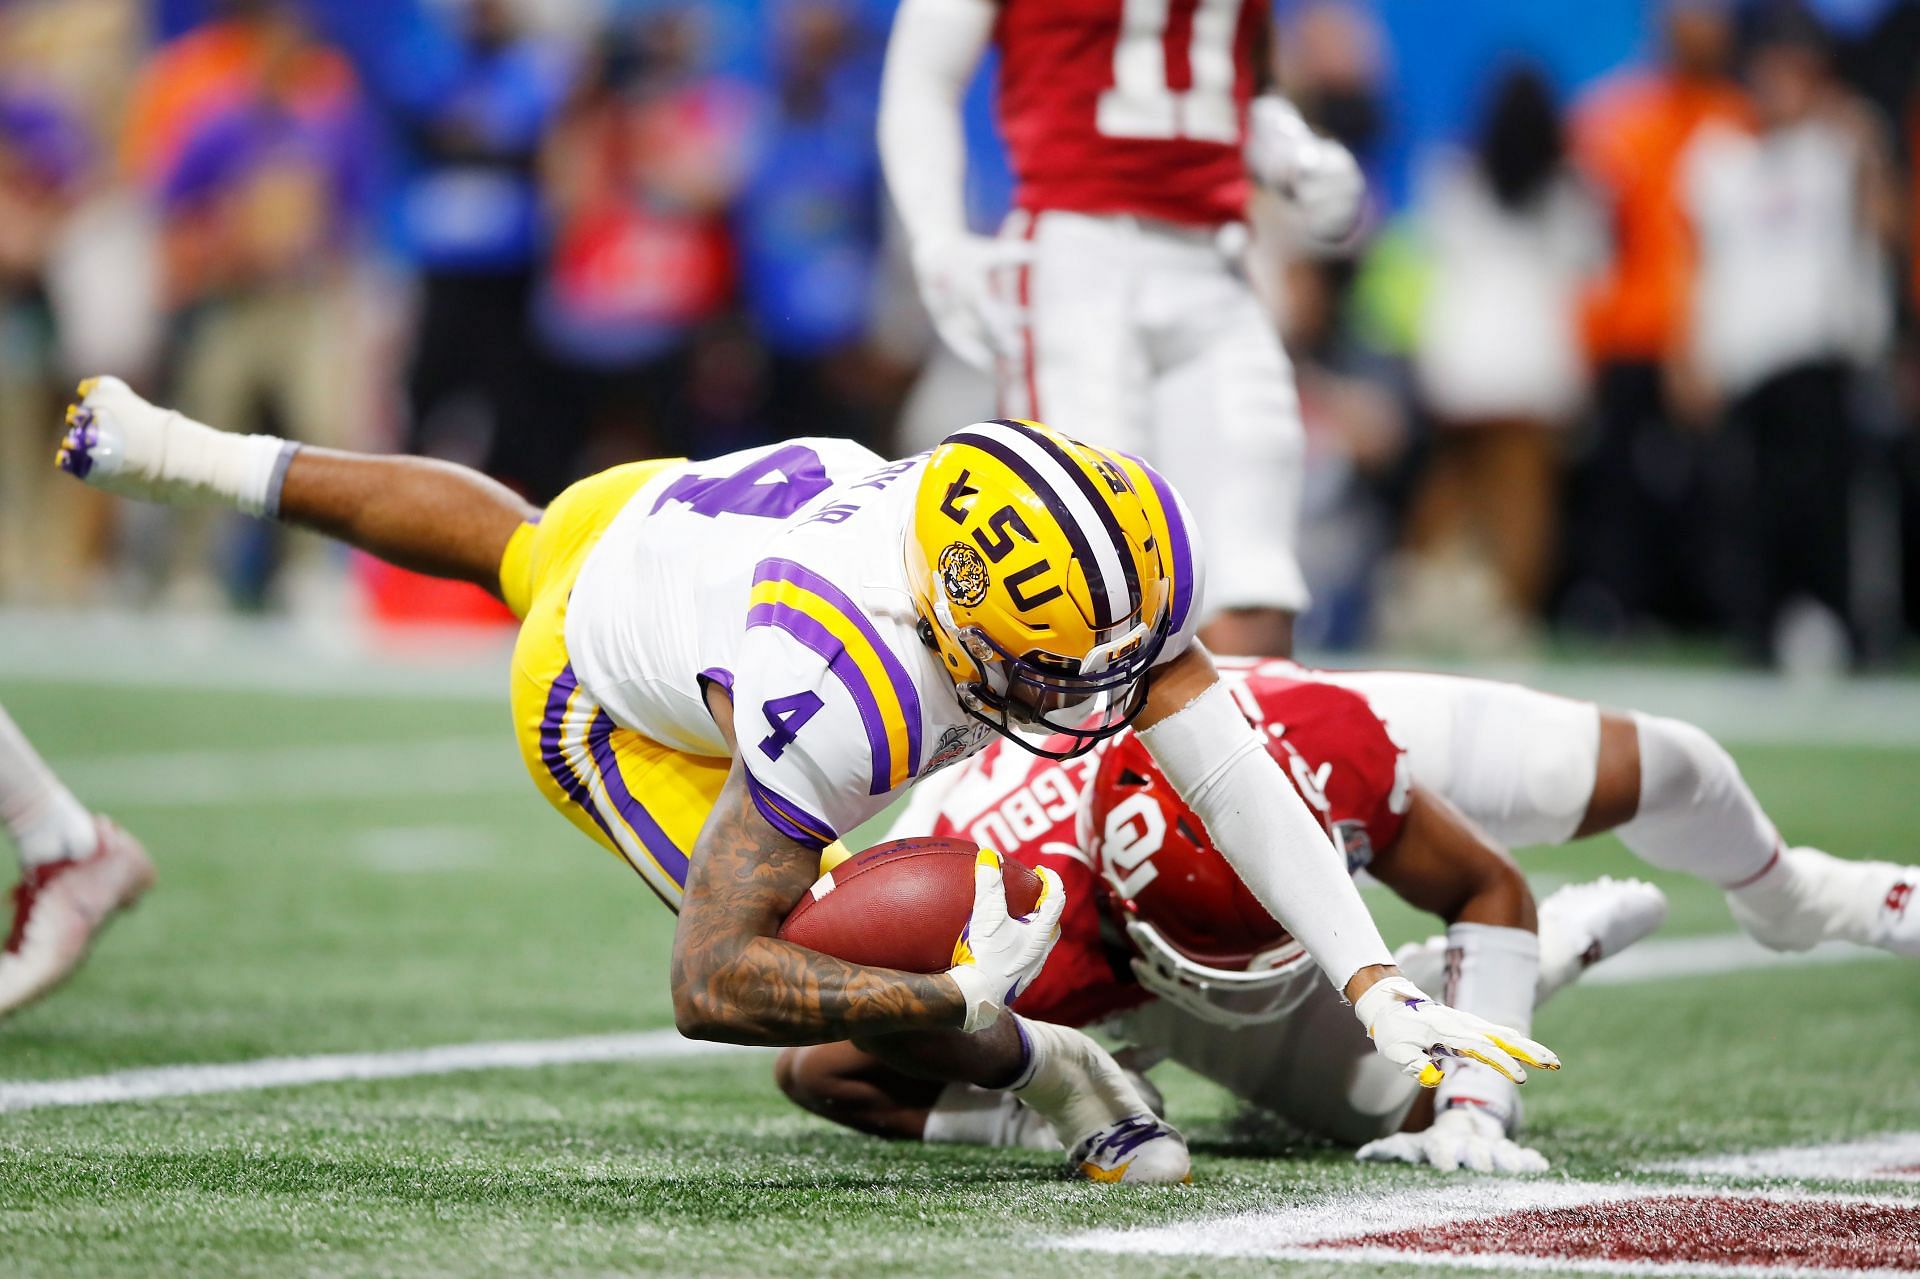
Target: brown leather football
x: 901, y: 904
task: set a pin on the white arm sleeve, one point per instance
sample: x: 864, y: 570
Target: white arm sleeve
x: 1220, y: 767
x: 931, y: 57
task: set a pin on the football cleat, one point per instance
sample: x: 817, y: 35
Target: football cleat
x: 1101, y: 1118
x: 1139, y: 1150
x: 1807, y: 897
x: 1582, y: 924
x: 59, y: 907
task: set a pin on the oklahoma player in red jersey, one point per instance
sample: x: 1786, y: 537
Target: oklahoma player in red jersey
x: 1113, y: 302
x: 1159, y: 929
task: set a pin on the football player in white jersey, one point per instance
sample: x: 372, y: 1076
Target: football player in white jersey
x: 724, y: 665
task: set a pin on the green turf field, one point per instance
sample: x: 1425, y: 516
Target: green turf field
x: 356, y: 874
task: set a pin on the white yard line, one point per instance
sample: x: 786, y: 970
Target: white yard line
x: 1891, y: 1156
x: 1329, y: 1229
x: 465, y: 765
x: 1664, y: 959
x: 314, y: 657
x: 1714, y: 954
x: 160, y: 1082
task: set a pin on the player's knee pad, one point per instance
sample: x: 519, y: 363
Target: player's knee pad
x: 1525, y: 763
x: 1681, y: 765
x: 1696, y: 813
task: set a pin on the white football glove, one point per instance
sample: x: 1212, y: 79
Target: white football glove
x: 1462, y: 1137
x: 968, y: 284
x: 1319, y: 177
x: 999, y: 954
x: 1416, y: 1034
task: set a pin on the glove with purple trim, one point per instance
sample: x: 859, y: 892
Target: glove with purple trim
x: 1462, y: 1137
x: 1417, y: 1034
x: 999, y: 954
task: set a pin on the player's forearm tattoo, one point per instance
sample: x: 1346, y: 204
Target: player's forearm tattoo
x: 731, y: 982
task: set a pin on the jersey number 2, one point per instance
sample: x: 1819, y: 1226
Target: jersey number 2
x: 1140, y: 105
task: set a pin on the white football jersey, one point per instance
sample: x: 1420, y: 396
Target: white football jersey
x: 780, y: 574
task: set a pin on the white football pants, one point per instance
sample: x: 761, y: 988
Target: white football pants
x: 1145, y: 337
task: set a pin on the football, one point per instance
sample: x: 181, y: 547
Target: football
x: 901, y: 904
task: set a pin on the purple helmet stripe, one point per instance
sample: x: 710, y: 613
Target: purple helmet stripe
x: 1094, y: 499
x: 904, y: 690
x: 663, y: 850
x: 788, y: 817
x: 1181, y: 552
x: 1076, y: 537
x: 554, y: 758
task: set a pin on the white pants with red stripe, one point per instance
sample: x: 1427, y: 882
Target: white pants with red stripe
x: 1146, y: 337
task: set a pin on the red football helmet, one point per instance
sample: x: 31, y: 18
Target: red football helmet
x: 1204, y: 941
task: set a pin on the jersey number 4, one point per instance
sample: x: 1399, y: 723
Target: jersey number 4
x: 1141, y: 105
x: 773, y: 486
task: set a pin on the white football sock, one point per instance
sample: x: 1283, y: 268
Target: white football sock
x: 1696, y: 813
x: 1491, y: 972
x: 47, y: 823
x: 160, y: 454
x: 1075, y: 1084
x: 970, y: 1116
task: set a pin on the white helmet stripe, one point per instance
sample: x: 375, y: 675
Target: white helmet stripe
x: 1062, y: 492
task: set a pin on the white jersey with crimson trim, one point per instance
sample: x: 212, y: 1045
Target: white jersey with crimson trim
x: 779, y: 574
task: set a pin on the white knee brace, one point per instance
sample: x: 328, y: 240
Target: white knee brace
x: 1696, y: 813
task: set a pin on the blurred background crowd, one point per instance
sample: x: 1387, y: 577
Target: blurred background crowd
x: 1628, y: 350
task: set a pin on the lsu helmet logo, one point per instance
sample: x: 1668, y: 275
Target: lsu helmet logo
x: 964, y: 573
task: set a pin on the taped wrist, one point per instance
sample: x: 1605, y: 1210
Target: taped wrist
x: 1219, y: 765
x: 1491, y: 972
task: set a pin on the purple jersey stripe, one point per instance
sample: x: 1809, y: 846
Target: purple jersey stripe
x: 821, y: 641
x: 659, y: 847
x: 779, y: 570
x: 1181, y: 550
x: 554, y: 758
x: 781, y: 813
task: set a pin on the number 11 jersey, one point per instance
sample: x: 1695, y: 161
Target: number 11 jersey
x: 1129, y: 106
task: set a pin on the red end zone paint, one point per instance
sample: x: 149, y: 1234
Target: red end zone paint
x: 1700, y: 1229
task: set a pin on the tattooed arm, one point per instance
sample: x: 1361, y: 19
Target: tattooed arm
x: 734, y: 980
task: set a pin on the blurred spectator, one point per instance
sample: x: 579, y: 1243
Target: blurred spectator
x: 45, y: 158
x: 471, y: 220
x: 1356, y: 437
x: 1792, y: 298
x: 250, y: 135
x: 1637, y: 534
x: 809, y: 224
x: 1512, y: 236
x: 641, y: 172
x: 1333, y: 68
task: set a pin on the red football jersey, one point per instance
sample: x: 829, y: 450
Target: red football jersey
x: 1129, y: 106
x: 1335, y: 750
